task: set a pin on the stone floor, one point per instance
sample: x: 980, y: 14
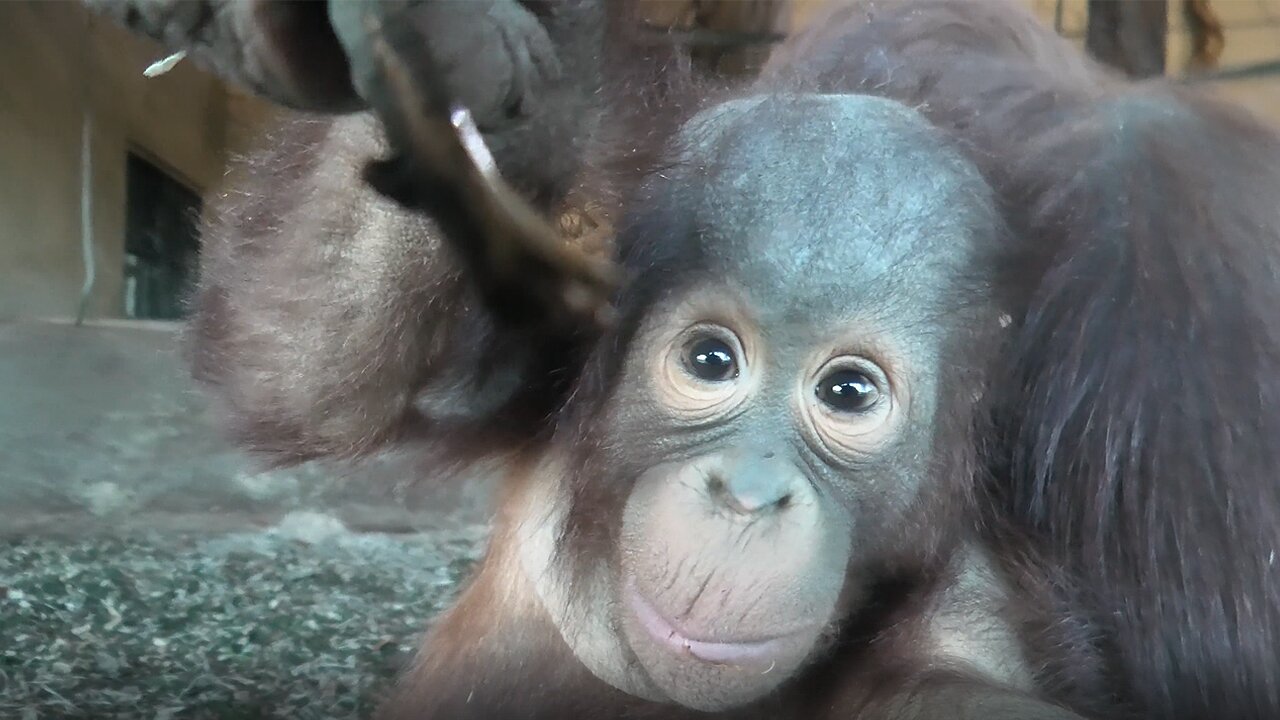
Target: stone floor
x: 148, y: 570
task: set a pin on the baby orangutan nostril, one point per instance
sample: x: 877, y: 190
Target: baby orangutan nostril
x: 749, y: 491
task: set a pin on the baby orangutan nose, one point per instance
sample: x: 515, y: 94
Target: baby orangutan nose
x: 753, y: 484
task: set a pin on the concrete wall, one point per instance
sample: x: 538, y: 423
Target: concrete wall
x: 56, y: 62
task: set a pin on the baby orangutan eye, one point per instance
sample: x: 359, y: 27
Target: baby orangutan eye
x: 702, y: 373
x: 711, y: 359
x: 848, y: 391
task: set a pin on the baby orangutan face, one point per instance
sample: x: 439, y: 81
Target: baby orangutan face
x: 775, y: 417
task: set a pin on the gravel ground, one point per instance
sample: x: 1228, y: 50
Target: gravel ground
x: 302, y: 621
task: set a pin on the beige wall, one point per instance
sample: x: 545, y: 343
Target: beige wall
x: 54, y: 63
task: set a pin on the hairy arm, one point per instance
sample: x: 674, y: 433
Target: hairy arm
x: 284, y: 51
x: 1165, y: 277
x: 528, y: 70
x: 324, y: 314
x: 328, y: 320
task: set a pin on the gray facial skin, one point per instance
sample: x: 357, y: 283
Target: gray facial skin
x: 835, y: 232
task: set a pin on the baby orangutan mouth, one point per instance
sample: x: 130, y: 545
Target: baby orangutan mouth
x: 748, y: 654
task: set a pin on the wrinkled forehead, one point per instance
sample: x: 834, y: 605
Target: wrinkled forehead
x: 824, y: 206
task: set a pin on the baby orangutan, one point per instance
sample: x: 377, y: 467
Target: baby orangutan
x: 763, y: 465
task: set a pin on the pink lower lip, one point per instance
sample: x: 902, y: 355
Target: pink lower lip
x: 724, y: 653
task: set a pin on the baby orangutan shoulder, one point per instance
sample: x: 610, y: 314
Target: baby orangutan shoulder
x: 754, y: 501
